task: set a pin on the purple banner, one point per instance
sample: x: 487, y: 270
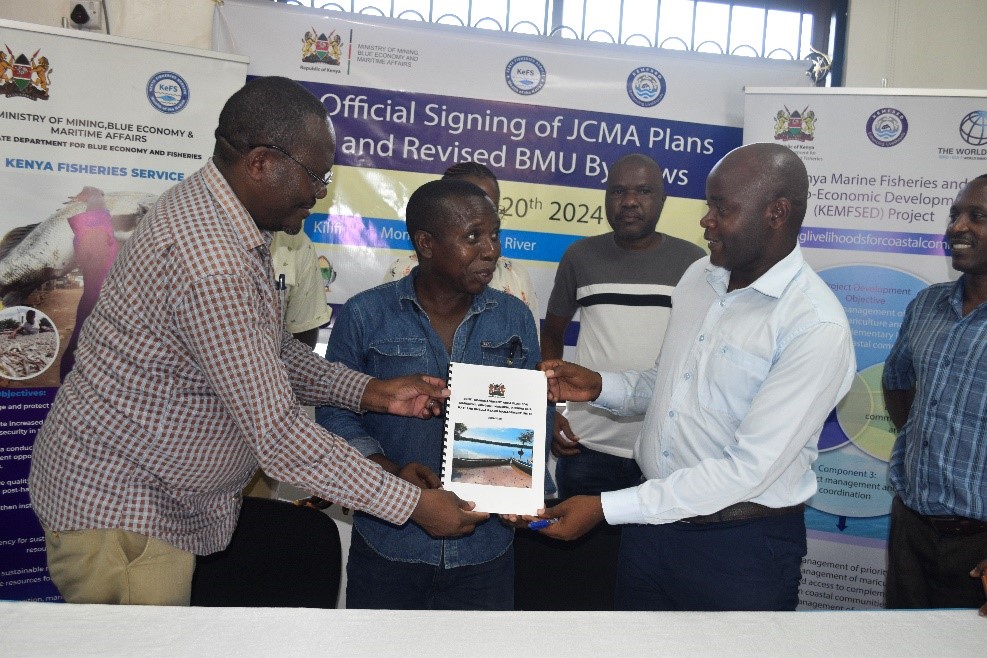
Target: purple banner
x: 927, y: 244
x: 426, y: 133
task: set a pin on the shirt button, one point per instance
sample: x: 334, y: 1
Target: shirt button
x: 688, y: 376
x: 933, y: 403
x: 702, y: 337
x: 665, y: 453
x: 723, y: 302
x: 671, y: 414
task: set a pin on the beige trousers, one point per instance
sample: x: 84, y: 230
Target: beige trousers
x: 118, y: 566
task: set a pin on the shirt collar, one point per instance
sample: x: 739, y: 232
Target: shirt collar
x: 955, y: 297
x: 240, y: 219
x: 772, y: 283
x: 406, y: 291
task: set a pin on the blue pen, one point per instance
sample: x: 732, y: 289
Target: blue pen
x: 541, y: 523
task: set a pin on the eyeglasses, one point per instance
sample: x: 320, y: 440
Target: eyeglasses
x: 324, y: 182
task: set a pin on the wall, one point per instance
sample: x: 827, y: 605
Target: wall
x: 915, y: 43
x: 890, y: 43
x: 178, y: 22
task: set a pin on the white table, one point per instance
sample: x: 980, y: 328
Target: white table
x: 51, y: 629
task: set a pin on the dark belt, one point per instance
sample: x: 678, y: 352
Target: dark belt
x: 952, y: 526
x: 743, y: 512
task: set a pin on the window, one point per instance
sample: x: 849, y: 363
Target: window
x: 782, y: 29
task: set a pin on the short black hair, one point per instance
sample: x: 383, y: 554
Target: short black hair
x: 639, y: 159
x: 268, y: 110
x: 429, y: 205
x: 469, y: 169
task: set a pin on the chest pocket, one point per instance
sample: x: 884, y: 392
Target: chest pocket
x: 510, y: 353
x: 733, y: 378
x: 394, y: 357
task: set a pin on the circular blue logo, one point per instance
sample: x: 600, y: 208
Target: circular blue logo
x: 887, y: 127
x: 646, y: 86
x: 973, y: 128
x: 168, y: 92
x: 525, y: 75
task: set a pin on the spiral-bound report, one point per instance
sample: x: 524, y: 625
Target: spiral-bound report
x: 494, y: 450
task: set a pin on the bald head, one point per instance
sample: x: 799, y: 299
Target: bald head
x: 773, y: 172
x: 757, y: 198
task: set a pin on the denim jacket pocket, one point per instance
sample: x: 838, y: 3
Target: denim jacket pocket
x: 393, y: 357
x: 508, y: 353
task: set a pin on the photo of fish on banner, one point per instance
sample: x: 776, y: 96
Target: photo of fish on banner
x: 492, y: 455
x: 28, y: 342
x: 57, y: 265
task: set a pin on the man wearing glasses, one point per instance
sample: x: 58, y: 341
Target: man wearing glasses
x: 186, y: 380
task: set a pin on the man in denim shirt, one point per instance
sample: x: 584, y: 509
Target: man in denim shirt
x: 443, y: 311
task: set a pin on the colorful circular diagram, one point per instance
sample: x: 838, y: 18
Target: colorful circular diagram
x: 874, y: 299
x: 862, y: 415
x: 855, y: 446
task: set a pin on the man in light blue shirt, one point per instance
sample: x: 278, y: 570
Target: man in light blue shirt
x: 935, y: 389
x: 757, y: 353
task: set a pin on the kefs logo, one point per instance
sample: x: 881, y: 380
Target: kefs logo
x: 319, y: 48
x: 167, y: 92
x: 20, y: 76
x: 646, y: 86
x: 525, y: 75
x: 794, y: 125
x: 887, y: 127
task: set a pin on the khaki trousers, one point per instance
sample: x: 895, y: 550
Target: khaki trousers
x: 118, y: 566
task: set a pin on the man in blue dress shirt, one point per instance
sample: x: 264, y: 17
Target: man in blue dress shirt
x: 935, y: 389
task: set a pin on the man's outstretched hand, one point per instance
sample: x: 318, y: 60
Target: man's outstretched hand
x: 576, y: 516
x: 418, y: 396
x: 568, y: 381
x: 442, y: 513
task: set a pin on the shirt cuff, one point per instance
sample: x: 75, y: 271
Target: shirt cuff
x: 399, y: 499
x: 612, y: 393
x: 358, y: 383
x: 622, y: 506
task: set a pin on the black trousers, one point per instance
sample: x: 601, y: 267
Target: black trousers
x: 927, y: 569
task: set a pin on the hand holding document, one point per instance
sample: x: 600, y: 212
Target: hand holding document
x: 494, y: 451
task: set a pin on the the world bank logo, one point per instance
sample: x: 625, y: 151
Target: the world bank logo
x: 525, y: 75
x: 887, y: 127
x: 646, y: 86
x: 168, y: 92
x: 973, y: 128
